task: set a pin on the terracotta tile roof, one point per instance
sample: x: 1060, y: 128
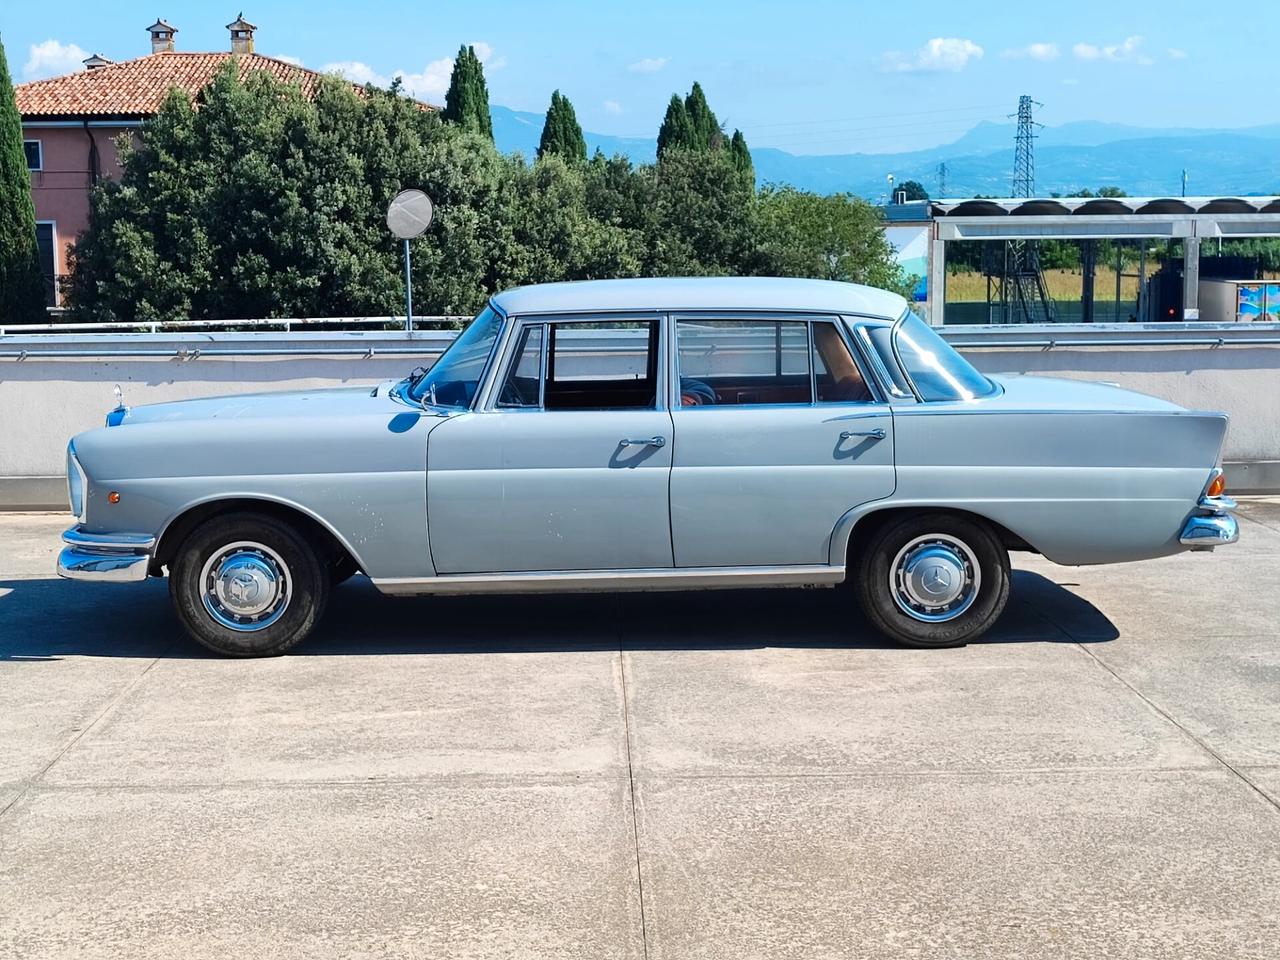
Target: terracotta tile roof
x: 136, y: 88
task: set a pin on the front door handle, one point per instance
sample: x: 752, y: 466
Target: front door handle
x: 644, y: 442
x: 876, y: 434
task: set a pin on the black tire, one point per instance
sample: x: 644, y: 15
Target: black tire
x: 985, y: 565
x: 248, y: 548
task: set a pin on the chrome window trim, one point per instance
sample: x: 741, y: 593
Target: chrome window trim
x: 878, y: 395
x: 889, y: 387
x: 503, y: 343
x: 809, y: 319
x: 511, y: 338
x: 509, y: 364
x: 995, y: 391
x: 735, y: 315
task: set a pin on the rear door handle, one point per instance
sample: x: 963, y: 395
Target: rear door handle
x: 644, y: 442
x: 876, y: 434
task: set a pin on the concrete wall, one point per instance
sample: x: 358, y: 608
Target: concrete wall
x: 45, y: 400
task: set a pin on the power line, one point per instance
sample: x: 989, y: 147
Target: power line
x: 856, y: 138
x: 874, y: 116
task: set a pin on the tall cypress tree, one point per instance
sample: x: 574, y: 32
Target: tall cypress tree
x: 561, y: 133
x: 21, y: 280
x: 740, y: 156
x: 706, y: 129
x: 676, y: 130
x: 467, y: 102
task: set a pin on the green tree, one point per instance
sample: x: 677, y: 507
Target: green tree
x: 21, y: 280
x: 913, y: 189
x: 676, y: 131
x: 837, y: 237
x: 690, y: 124
x: 467, y: 101
x: 741, y: 156
x: 561, y: 133
x: 707, y: 134
x: 703, y: 216
x: 261, y: 203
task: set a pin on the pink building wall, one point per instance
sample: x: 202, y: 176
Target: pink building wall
x: 60, y: 189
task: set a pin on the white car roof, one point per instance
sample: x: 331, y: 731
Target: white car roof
x: 702, y: 293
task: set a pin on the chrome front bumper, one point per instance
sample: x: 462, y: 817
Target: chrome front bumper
x: 105, y: 557
x: 1212, y: 525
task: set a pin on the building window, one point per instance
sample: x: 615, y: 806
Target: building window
x: 45, y: 241
x: 35, y: 155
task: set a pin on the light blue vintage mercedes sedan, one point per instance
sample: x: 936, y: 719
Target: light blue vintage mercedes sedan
x: 646, y: 435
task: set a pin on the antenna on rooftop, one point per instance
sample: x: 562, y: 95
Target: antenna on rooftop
x: 942, y: 179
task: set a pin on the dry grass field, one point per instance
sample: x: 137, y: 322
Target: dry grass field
x: 1062, y: 284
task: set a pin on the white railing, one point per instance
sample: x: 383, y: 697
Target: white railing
x: 285, y: 323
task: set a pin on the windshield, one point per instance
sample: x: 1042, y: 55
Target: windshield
x: 935, y: 369
x: 455, y: 377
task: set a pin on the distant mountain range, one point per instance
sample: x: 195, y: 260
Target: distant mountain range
x: 1143, y: 161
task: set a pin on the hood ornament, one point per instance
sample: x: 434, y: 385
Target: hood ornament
x: 116, y: 416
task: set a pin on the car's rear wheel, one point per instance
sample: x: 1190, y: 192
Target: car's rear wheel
x: 248, y: 585
x: 932, y: 579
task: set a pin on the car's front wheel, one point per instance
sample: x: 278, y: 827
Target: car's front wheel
x: 248, y: 585
x: 932, y: 579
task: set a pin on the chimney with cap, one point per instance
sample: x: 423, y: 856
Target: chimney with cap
x: 162, y: 36
x: 96, y: 61
x: 241, y: 34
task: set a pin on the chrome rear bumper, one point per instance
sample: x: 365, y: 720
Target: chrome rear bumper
x: 1212, y: 526
x: 105, y: 557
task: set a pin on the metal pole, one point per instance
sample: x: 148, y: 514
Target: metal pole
x: 408, y: 291
x: 1191, y: 278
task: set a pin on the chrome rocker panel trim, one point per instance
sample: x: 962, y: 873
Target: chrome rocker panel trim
x: 105, y: 557
x: 608, y: 581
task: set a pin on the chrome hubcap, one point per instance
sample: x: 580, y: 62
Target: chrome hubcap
x: 935, y: 578
x: 245, y: 586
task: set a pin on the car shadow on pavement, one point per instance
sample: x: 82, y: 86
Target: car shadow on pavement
x: 44, y: 619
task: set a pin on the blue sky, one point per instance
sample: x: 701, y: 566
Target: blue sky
x: 809, y: 76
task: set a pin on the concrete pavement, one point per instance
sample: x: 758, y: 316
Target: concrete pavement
x: 709, y: 775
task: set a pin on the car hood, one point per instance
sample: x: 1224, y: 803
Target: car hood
x: 328, y: 402
x: 1060, y: 393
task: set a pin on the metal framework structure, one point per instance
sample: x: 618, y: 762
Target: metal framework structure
x: 1014, y: 279
x: 1188, y: 220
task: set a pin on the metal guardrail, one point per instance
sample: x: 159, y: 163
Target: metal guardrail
x: 363, y: 353
x: 1051, y: 344
x: 169, y: 326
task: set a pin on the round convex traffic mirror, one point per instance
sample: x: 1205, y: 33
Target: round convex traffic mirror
x: 409, y: 214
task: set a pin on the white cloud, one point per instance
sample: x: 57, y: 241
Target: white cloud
x: 1129, y: 50
x: 1035, y: 51
x: 485, y: 54
x: 296, y: 61
x: 430, y: 83
x: 612, y: 106
x: 648, y: 65
x: 1176, y: 54
x: 939, y: 54
x: 51, y: 59
x: 357, y: 72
